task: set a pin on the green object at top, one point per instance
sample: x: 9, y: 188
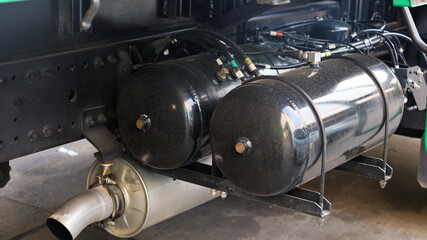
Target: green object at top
x: 409, y: 3
x: 9, y: 1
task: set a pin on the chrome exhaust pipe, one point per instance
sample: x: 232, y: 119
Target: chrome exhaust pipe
x: 126, y: 199
x: 93, y: 205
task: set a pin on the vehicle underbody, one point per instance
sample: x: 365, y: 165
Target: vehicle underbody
x: 197, y: 99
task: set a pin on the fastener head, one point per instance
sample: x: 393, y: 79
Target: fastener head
x: 223, y: 195
x: 240, y: 147
x: 47, y: 132
x: 223, y: 73
x: 243, y: 146
x: 143, y: 123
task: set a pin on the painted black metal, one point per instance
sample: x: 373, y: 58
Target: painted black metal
x: 295, y: 11
x: 97, y: 125
x: 332, y: 29
x: 282, y: 129
x: 237, y: 15
x: 47, y: 80
x: 366, y: 166
x: 299, y: 199
x: 54, y: 24
x: 4, y: 173
x: 412, y: 124
x: 42, y: 96
x: 178, y: 97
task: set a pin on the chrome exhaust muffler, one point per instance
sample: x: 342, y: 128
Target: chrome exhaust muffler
x: 124, y: 198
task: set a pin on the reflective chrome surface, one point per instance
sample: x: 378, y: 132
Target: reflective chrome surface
x: 283, y: 129
x: 150, y: 197
x: 77, y: 213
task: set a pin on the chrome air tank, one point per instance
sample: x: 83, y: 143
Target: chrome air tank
x: 265, y: 136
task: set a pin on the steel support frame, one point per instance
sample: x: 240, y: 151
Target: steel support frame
x: 298, y: 199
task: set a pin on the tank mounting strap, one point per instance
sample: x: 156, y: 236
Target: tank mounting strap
x: 384, y: 180
x: 298, y: 199
x: 322, y: 133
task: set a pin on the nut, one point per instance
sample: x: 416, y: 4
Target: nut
x: 243, y: 146
x: 143, y: 123
x: 223, y: 195
x: 223, y: 73
x: 240, y: 147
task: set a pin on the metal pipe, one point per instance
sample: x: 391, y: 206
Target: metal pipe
x: 89, y: 207
x: 410, y: 24
x: 135, y: 200
x: 90, y: 14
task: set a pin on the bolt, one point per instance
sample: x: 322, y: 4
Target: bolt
x: 110, y: 181
x: 110, y: 222
x: 1, y: 81
x: 143, y: 123
x: 383, y: 183
x: 102, y: 118
x: 46, y: 72
x: 90, y: 121
x: 17, y: 101
x: 419, y: 72
x: 47, y: 132
x: 415, y: 107
x: 223, y: 195
x: 99, y: 62
x: 32, y: 136
x: 112, y: 60
x: 139, y: 123
x: 213, y: 192
x: 240, y: 147
x: 31, y: 75
x: 243, y: 146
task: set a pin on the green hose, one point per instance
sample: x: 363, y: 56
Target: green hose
x: 425, y: 137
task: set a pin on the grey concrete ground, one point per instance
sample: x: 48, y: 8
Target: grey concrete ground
x: 361, y: 210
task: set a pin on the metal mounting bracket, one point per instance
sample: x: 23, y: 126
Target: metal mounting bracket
x: 298, y: 199
x: 94, y: 128
x: 4, y: 173
x: 370, y: 167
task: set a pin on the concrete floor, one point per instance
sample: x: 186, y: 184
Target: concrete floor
x: 361, y: 210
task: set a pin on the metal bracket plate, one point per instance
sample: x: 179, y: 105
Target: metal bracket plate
x: 94, y: 128
x: 412, y: 79
x: 4, y: 173
x: 297, y: 199
x: 366, y: 166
